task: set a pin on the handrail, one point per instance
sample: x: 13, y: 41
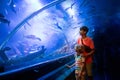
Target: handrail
x: 55, y: 71
x: 30, y: 66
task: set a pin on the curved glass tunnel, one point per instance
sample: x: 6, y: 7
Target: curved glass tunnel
x: 39, y: 35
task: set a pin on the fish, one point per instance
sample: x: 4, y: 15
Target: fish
x: 75, y: 27
x: 7, y: 48
x: 25, y: 27
x: 28, y: 23
x: 38, y: 38
x: 70, y: 6
x: 6, y: 11
x: 3, y: 20
x: 32, y: 37
x: 58, y: 26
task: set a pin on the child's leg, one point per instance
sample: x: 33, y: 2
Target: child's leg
x: 83, y: 75
x: 83, y: 71
x: 77, y: 75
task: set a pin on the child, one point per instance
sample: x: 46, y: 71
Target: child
x: 79, y: 63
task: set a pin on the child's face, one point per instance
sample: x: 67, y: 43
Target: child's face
x: 80, y: 50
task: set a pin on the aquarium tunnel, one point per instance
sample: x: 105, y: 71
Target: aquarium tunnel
x: 37, y: 38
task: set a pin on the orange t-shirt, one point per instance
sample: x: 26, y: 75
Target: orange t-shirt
x: 88, y: 42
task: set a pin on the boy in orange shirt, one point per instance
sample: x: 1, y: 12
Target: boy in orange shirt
x: 87, y: 42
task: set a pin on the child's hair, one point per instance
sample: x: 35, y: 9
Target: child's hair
x: 79, y: 48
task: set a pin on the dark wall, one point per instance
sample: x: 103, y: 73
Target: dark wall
x: 107, y: 42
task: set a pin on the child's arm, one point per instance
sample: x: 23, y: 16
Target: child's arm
x: 71, y: 65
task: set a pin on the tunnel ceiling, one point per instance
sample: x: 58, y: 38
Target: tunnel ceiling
x: 57, y: 22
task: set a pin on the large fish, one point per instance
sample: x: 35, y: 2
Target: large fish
x: 32, y: 37
x: 3, y: 20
